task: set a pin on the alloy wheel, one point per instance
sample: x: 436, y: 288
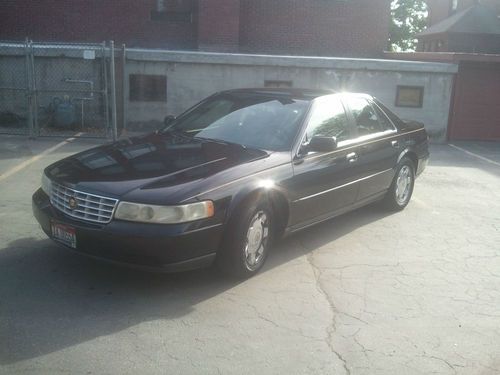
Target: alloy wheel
x: 403, y: 184
x: 256, y: 240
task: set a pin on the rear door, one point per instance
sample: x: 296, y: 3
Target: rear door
x: 324, y: 182
x: 378, y: 146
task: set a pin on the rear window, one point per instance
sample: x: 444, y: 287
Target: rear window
x: 392, y: 116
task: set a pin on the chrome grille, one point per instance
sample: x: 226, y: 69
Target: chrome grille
x: 91, y: 207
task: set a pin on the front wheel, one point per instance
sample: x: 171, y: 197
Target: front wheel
x: 247, y: 241
x: 401, y: 190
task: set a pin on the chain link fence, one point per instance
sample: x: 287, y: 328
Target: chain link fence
x: 15, y: 114
x: 57, y: 89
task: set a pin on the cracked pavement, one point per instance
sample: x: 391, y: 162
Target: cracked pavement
x: 370, y: 292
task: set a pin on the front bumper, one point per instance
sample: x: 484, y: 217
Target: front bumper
x: 163, y: 248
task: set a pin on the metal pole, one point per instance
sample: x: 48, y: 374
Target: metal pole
x: 83, y: 109
x: 124, y: 87
x: 35, y: 91
x: 29, y: 102
x: 106, y: 91
x: 113, y: 92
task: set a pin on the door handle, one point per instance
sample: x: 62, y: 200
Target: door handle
x: 298, y: 161
x: 352, y: 157
x: 395, y: 144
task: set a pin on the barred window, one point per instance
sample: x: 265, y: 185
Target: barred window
x: 161, y: 5
x: 148, y: 88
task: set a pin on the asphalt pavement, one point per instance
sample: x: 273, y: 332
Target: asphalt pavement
x: 370, y: 292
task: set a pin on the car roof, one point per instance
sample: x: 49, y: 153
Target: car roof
x: 295, y: 93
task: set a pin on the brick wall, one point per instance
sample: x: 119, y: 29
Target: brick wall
x: 356, y: 28
x: 219, y: 25
x: 126, y: 21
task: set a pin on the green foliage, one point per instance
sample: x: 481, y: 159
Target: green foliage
x: 408, y: 18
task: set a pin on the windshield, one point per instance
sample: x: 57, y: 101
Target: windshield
x: 254, y: 121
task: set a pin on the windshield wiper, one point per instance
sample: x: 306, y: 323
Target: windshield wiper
x: 228, y: 143
x: 180, y: 133
x: 221, y: 141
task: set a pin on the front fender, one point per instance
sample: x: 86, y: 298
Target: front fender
x: 270, y: 184
x: 260, y: 189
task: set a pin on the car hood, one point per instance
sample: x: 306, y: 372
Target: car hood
x: 165, y: 162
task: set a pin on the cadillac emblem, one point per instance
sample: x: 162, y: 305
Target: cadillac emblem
x: 73, y: 204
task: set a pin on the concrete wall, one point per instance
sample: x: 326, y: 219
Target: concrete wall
x: 192, y: 76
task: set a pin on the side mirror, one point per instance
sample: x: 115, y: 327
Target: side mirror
x: 168, y: 120
x: 319, y: 143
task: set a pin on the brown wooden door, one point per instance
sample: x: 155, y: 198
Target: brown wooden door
x: 476, y: 109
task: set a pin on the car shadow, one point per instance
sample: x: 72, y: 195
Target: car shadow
x: 51, y: 299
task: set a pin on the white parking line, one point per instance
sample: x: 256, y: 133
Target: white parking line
x: 475, y: 155
x: 25, y: 163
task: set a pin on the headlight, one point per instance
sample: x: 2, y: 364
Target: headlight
x: 46, y: 184
x: 147, y: 213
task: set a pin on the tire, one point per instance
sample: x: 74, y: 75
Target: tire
x: 401, y: 190
x: 247, y: 240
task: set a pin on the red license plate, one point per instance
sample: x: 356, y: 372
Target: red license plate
x: 64, y: 234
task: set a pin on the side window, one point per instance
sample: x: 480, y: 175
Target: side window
x: 385, y: 123
x: 328, y: 119
x: 366, y: 117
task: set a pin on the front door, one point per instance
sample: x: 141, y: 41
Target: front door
x: 324, y: 182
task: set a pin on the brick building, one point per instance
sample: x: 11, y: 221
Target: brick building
x: 357, y: 28
x: 439, y: 10
x: 471, y: 26
x: 467, y: 33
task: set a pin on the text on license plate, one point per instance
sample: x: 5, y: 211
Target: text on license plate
x: 65, y: 234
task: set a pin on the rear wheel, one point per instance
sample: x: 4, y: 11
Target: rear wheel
x: 401, y: 190
x: 247, y: 241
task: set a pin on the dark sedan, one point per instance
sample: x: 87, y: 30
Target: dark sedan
x: 223, y: 180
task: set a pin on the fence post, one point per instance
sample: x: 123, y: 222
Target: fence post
x: 29, y: 92
x: 106, y: 87
x: 113, y: 92
x: 124, y: 86
x: 35, y: 91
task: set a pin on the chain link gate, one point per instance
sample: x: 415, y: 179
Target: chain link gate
x: 15, y: 99
x: 57, y: 90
